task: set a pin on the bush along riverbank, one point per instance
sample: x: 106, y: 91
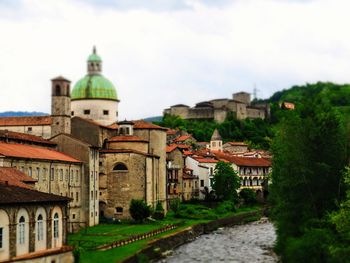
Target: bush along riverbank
x: 159, y: 248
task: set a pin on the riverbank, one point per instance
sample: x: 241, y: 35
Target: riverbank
x: 158, y: 248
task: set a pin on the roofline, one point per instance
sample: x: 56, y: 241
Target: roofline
x: 117, y: 100
x: 50, y: 160
x: 109, y: 151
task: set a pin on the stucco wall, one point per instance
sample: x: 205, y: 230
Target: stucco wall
x: 39, y: 130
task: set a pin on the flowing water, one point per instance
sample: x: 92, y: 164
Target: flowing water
x: 243, y: 243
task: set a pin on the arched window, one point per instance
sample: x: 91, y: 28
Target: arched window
x: 40, y: 227
x: 21, y: 230
x: 58, y: 90
x: 120, y: 167
x: 55, y: 226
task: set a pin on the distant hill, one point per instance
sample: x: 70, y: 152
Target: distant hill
x: 154, y: 119
x: 22, y: 113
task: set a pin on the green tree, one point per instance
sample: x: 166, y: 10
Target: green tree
x: 139, y: 210
x: 226, y: 182
x: 309, y: 155
x: 248, y: 196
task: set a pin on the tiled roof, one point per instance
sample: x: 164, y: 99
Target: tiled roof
x: 244, y: 161
x: 92, y: 122
x: 10, y: 194
x: 15, y: 177
x: 205, y: 160
x: 183, y: 146
x: 141, y: 124
x: 171, y: 132
x: 171, y: 148
x: 126, y: 138
x: 183, y: 138
x: 187, y: 153
x: 237, y: 144
x: 32, y: 152
x: 26, y: 121
x: 25, y: 137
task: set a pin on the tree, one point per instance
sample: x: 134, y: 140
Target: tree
x: 248, y: 196
x: 139, y: 210
x: 309, y: 153
x: 226, y: 182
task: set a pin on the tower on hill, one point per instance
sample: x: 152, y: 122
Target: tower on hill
x: 94, y: 97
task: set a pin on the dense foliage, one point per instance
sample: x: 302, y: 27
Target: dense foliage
x: 309, y: 156
x: 226, y: 182
x: 257, y: 133
x: 248, y: 196
x: 139, y: 210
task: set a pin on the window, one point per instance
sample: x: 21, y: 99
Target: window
x: 214, y: 144
x: 119, y: 209
x: 1, y: 236
x: 185, y: 185
x: 58, y: 90
x: 40, y: 228
x: 29, y: 129
x: 52, y: 175
x: 202, y: 183
x: 21, y: 230
x: 30, y: 171
x: 77, y: 176
x: 77, y: 196
x: 61, y: 174
x: 38, y: 173
x: 92, y: 194
x: 105, y: 112
x: 87, y: 112
x: 73, y: 216
x: 44, y: 174
x: 67, y: 174
x: 120, y: 167
x: 55, y: 226
x: 72, y: 113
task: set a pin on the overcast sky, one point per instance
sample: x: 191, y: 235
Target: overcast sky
x: 164, y: 52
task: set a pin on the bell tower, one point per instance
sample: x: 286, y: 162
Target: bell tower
x: 60, y: 106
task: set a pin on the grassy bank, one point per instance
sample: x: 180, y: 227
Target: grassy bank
x: 91, y: 237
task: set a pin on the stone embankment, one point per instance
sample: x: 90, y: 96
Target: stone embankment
x: 158, y: 248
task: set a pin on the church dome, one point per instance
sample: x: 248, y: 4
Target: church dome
x: 94, y: 85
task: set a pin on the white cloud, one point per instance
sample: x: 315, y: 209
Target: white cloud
x: 158, y: 57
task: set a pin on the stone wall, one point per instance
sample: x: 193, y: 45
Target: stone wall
x: 38, y: 130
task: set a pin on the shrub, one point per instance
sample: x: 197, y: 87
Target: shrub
x: 139, y: 210
x: 248, y: 196
x: 158, y: 212
x: 225, y: 207
x: 175, y: 205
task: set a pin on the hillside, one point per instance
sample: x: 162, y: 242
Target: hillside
x: 259, y: 133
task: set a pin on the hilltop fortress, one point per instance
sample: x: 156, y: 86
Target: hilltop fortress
x: 218, y: 109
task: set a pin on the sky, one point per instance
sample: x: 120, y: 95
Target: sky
x: 164, y: 52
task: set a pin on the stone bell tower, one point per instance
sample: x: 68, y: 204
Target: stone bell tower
x: 60, y: 106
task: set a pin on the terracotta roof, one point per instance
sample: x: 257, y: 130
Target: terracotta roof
x: 187, y: 153
x: 33, y: 152
x: 10, y: 194
x: 205, y: 160
x: 182, y: 138
x: 113, y: 126
x: 61, y: 78
x: 238, y: 143
x: 15, y: 177
x: 171, y: 132
x: 24, y: 137
x: 106, y: 151
x: 171, y: 148
x: 141, y: 124
x: 244, y: 161
x: 126, y: 138
x: 183, y: 146
x: 26, y: 121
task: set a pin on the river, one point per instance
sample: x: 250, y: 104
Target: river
x: 251, y: 242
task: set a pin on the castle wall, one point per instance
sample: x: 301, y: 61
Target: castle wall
x: 183, y: 112
x: 253, y: 113
x: 243, y: 97
x: 220, y: 115
x: 219, y: 103
x: 241, y: 112
x: 201, y: 113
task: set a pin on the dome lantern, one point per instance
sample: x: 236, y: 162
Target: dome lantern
x: 94, y: 63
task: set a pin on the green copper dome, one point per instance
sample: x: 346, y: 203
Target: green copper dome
x: 94, y: 87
